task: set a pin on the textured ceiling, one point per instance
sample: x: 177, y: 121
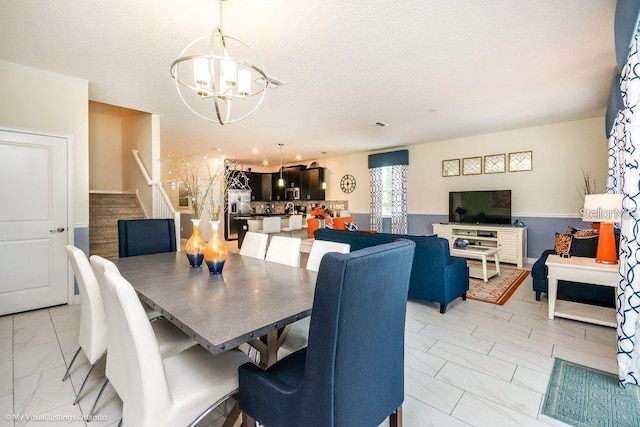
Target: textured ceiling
x: 431, y: 69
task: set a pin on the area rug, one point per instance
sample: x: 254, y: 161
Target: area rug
x: 582, y: 396
x: 499, y: 288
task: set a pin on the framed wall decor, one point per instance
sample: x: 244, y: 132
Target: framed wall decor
x: 472, y: 166
x: 451, y: 167
x: 183, y: 195
x: 495, y: 163
x: 521, y: 161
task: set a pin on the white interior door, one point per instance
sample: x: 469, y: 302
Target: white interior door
x: 33, y: 221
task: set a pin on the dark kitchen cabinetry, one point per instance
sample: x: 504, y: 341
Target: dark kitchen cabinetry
x: 277, y: 193
x: 264, y: 186
x: 267, y: 194
x: 255, y: 184
x: 311, y: 184
x: 293, y: 176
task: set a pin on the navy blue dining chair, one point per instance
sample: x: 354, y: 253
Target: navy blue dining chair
x: 146, y: 236
x: 352, y: 371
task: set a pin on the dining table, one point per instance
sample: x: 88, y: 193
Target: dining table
x: 251, y: 301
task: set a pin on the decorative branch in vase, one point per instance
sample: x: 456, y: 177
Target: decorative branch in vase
x: 215, y: 253
x: 588, y: 184
x: 197, y: 194
x: 588, y: 187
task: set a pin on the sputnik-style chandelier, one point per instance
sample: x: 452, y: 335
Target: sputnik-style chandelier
x: 220, y: 78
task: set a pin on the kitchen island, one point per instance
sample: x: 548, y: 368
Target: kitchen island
x: 243, y: 223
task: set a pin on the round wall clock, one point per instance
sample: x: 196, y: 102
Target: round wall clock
x: 348, y: 183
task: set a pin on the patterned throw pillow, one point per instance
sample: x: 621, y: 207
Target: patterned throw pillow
x: 577, y: 232
x: 563, y: 243
x: 589, y: 232
x: 351, y: 226
x: 328, y: 225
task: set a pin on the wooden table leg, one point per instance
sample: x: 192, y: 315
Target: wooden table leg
x: 233, y: 416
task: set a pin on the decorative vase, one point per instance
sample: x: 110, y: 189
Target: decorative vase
x: 215, y: 253
x: 195, y: 245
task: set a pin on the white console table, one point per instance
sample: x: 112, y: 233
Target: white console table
x: 511, y: 240
x: 584, y: 270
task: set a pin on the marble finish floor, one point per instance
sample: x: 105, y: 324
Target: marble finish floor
x: 478, y: 364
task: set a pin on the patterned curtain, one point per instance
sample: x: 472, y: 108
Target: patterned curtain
x: 399, y: 199
x: 376, y: 199
x: 624, y: 177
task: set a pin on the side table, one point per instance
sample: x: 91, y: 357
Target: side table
x: 585, y: 270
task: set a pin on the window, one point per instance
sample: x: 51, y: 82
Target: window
x: 387, y: 191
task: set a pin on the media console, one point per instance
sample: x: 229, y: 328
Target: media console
x: 511, y: 240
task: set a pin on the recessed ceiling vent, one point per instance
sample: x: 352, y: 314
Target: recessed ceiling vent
x: 273, y: 82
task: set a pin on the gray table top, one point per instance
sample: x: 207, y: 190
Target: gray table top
x: 249, y: 299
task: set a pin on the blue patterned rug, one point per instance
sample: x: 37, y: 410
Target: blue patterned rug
x: 582, y: 396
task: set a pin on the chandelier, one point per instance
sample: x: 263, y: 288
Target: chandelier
x: 220, y: 78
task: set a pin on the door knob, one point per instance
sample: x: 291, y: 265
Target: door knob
x: 57, y: 230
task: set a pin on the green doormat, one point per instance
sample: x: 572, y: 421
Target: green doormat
x: 582, y: 396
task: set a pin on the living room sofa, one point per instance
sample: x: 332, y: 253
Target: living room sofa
x: 436, y: 276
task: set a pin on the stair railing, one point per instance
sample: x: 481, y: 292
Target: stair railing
x: 162, y: 206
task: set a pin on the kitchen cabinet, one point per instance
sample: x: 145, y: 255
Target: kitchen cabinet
x: 277, y: 193
x: 293, y: 176
x: 311, y: 184
x: 267, y: 193
x: 255, y: 184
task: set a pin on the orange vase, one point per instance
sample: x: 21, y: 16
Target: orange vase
x: 215, y: 253
x: 195, y: 245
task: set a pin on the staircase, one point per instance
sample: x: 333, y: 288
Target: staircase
x: 104, y: 212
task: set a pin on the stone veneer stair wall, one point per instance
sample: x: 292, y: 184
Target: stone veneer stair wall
x: 105, y: 209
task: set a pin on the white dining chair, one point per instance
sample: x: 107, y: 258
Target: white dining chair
x: 254, y: 245
x: 295, y: 223
x: 284, y: 250
x: 93, y: 324
x: 170, y: 339
x: 254, y: 224
x: 92, y: 337
x: 177, y: 391
x: 321, y: 247
x: 297, y: 334
x: 270, y: 224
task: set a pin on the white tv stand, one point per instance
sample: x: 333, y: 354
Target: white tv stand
x: 511, y: 240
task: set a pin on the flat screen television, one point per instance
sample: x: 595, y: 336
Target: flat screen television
x: 480, y: 207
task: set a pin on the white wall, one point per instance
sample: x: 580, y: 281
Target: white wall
x: 559, y: 151
x: 43, y: 101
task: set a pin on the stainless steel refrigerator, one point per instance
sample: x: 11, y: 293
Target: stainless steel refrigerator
x: 238, y: 203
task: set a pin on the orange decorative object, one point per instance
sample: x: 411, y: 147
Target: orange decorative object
x: 215, y: 253
x: 606, y: 253
x: 312, y: 225
x: 195, y: 245
x: 339, y: 223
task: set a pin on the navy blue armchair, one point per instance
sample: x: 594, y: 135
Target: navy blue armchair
x: 436, y: 275
x: 145, y: 236
x: 352, y: 371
